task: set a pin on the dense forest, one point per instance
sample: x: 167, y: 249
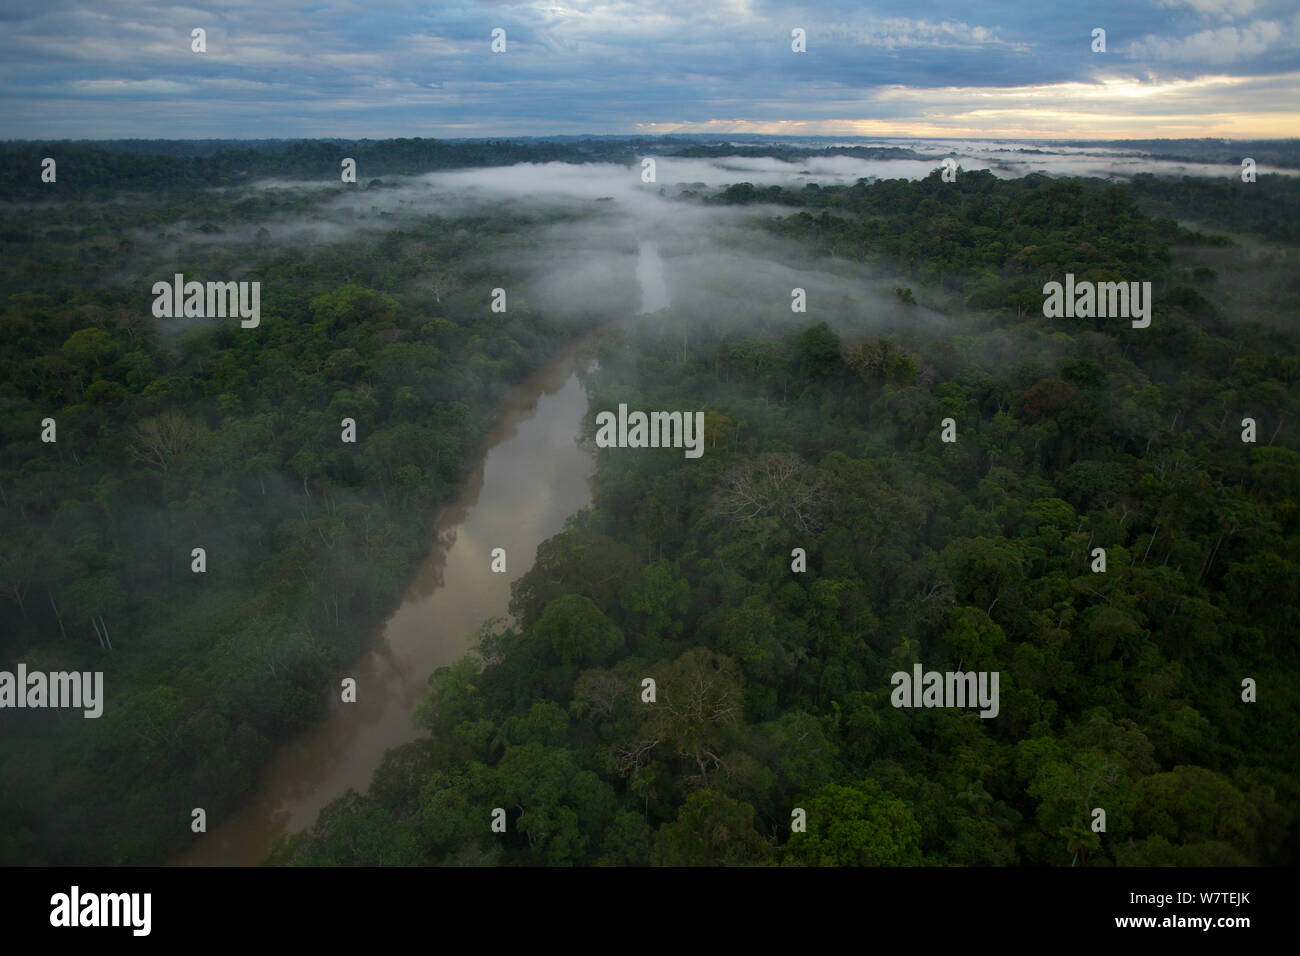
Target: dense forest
x: 186, y: 433
x: 103, y: 170
x: 1120, y: 690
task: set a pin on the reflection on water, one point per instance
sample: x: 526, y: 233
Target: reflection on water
x: 533, y: 476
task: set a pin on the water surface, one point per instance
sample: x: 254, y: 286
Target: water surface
x: 532, y: 476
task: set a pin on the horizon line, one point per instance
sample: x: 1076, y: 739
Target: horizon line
x: 657, y: 136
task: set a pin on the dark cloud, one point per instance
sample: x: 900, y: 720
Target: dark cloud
x: 352, y: 68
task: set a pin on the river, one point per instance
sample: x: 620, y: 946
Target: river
x: 532, y: 475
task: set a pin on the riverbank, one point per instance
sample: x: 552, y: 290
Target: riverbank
x: 532, y: 474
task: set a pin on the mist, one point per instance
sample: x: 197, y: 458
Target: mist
x: 587, y: 239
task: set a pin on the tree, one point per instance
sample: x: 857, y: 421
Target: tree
x: 159, y: 441
x: 1195, y: 805
x: 861, y: 825
x: 573, y: 630
x: 627, y: 841
x: 711, y: 829
x: 975, y: 639
x: 442, y: 283
x: 89, y: 347
x: 700, y: 701
x: 800, y: 751
x: 573, y: 562
x: 1047, y: 397
x: 817, y: 353
x: 778, y: 484
x: 659, y: 597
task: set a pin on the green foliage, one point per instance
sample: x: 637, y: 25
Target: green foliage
x: 1119, y: 691
x: 179, y: 433
x: 857, y: 825
x: 711, y: 829
x: 574, y: 630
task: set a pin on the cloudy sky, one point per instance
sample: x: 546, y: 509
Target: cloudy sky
x: 381, y: 68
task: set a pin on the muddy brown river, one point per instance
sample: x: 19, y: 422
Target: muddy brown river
x: 532, y: 475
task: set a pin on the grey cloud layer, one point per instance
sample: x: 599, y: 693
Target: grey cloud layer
x: 297, y: 68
